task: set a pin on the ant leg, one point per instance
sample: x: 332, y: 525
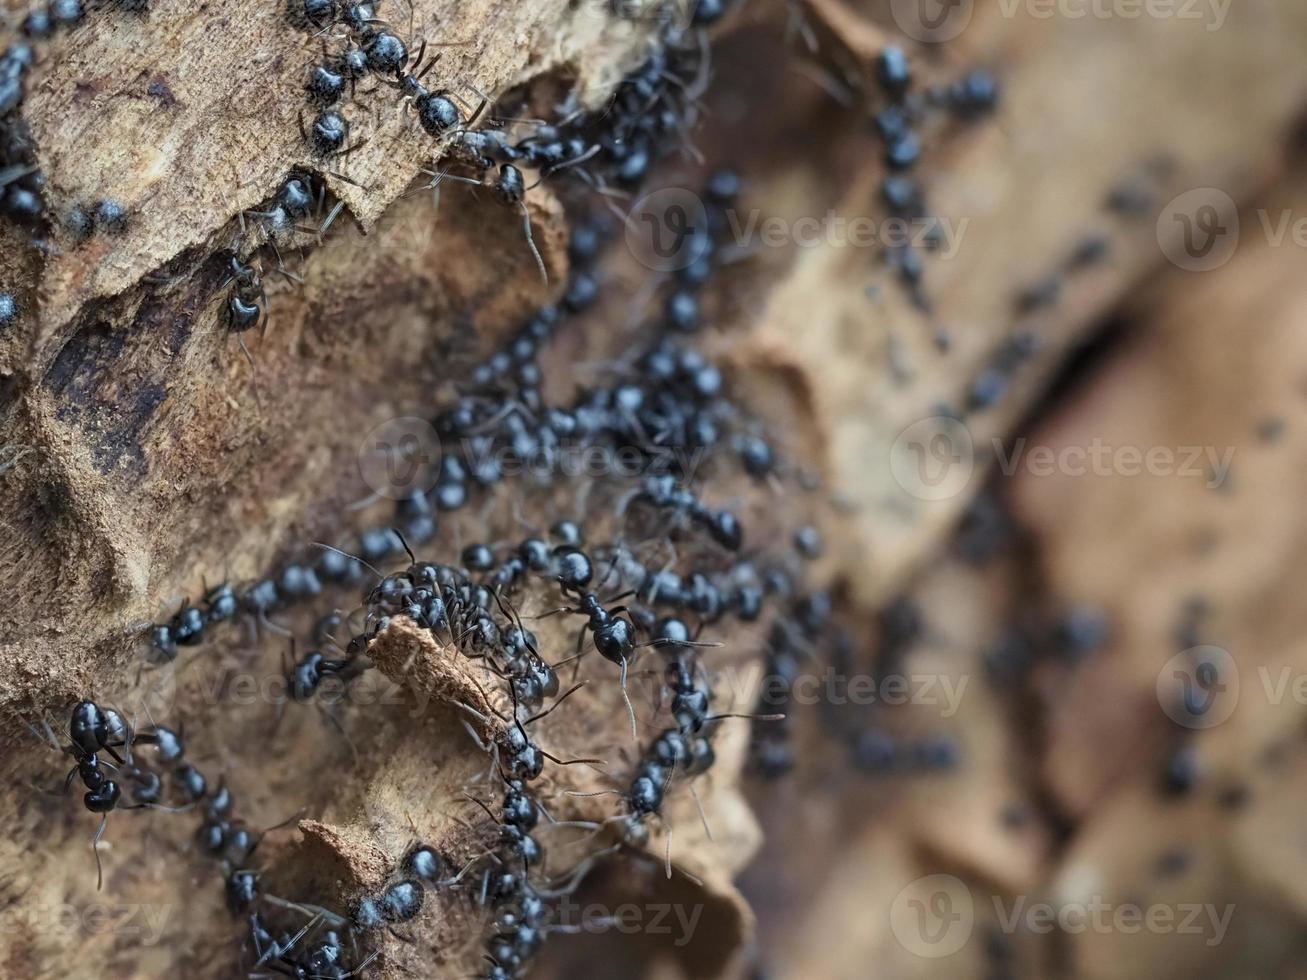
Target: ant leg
x: 459, y: 877
x: 358, y: 970
x: 702, y: 816
x: 348, y: 150
x: 264, y: 620
x: 95, y: 849
x: 485, y: 101
x: 571, y: 762
x: 277, y: 948
x: 304, y: 908
x: 343, y: 734
x: 736, y: 714
x: 346, y: 554
x: 530, y: 241
x: 47, y: 737
x: 422, y: 71
x: 116, y: 757
x: 281, y: 267
x: 440, y: 176
x: 582, y: 870
x: 470, y: 731
x: 244, y: 350
x: 567, y: 660
x: 668, y: 854
x: 334, y: 213
x: 554, y: 612
x: 572, y: 690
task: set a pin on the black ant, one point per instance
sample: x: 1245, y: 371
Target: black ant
x: 319, y: 12
x: 247, y: 303
x: 325, y: 960
x: 514, y: 751
x: 330, y: 131
x: 329, y: 134
x: 613, y: 635
x: 358, y: 15
x: 293, y: 200
x: 399, y: 902
x: 509, y: 188
x: 386, y: 54
x: 662, y: 493
x: 326, y: 84
x: 92, y: 730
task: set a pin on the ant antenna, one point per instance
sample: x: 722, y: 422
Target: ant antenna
x: 346, y: 554
x: 404, y: 544
x: 630, y: 709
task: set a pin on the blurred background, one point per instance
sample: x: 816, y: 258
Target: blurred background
x: 1070, y: 544
x: 1044, y: 351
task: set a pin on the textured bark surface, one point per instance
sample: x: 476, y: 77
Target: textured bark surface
x: 151, y: 458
